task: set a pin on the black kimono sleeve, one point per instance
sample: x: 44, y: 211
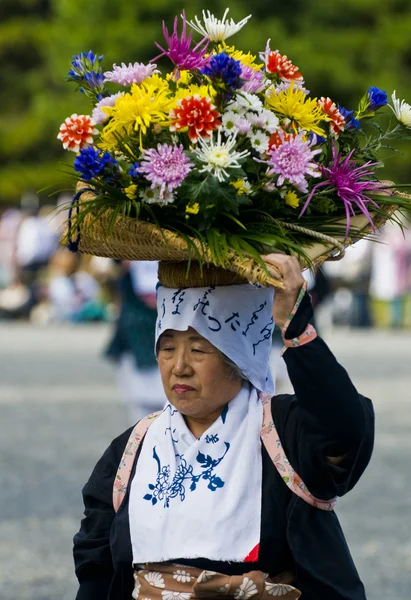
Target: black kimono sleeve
x: 92, y: 554
x: 326, y: 417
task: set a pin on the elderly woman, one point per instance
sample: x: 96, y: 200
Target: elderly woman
x: 229, y: 491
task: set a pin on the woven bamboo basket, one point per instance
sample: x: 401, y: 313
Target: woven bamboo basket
x: 138, y: 240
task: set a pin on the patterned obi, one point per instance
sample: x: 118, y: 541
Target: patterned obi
x: 164, y: 581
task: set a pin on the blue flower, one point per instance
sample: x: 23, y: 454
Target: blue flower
x: 377, y: 98
x: 134, y: 170
x: 91, y: 162
x: 86, y: 70
x: 350, y: 121
x: 94, y: 81
x: 225, y: 69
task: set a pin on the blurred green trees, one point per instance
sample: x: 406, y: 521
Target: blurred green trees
x: 342, y: 47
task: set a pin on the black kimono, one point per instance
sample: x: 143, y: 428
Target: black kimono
x: 325, y: 418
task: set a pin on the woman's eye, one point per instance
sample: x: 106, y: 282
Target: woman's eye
x: 167, y: 349
x: 198, y: 350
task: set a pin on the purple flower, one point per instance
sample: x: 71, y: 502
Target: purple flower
x: 98, y: 115
x: 131, y: 73
x: 253, y: 80
x: 166, y: 167
x: 292, y: 161
x: 179, y: 51
x: 350, y: 184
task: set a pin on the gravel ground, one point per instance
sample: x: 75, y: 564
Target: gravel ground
x: 59, y: 410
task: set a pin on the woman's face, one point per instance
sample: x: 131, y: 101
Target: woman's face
x: 194, y: 374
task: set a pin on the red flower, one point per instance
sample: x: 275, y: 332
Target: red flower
x: 197, y: 114
x: 330, y: 108
x: 77, y: 132
x: 282, y: 65
x: 276, y: 139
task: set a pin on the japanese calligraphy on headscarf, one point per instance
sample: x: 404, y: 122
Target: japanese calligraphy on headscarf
x: 236, y: 319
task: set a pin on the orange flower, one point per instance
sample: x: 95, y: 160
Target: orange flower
x: 197, y: 114
x: 77, y: 132
x: 337, y: 121
x: 282, y: 65
x: 276, y: 139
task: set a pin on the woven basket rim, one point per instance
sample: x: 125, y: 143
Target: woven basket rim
x: 141, y: 240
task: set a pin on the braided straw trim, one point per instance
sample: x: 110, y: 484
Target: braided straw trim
x: 320, y: 236
x: 184, y: 274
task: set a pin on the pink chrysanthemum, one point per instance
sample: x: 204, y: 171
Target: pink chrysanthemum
x: 77, y: 132
x: 98, y: 115
x: 350, y: 183
x: 179, y: 51
x: 166, y: 168
x: 131, y: 73
x: 292, y: 161
x: 254, y: 80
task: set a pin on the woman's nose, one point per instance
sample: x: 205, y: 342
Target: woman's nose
x: 181, y: 365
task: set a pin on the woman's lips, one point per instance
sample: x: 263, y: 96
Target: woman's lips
x: 182, y: 389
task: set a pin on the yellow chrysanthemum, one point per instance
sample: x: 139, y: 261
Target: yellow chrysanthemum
x: 242, y: 187
x: 304, y: 112
x: 184, y: 79
x: 131, y: 191
x: 292, y: 199
x: 205, y: 91
x: 136, y: 111
x: 156, y: 82
x: 193, y: 209
x: 246, y: 59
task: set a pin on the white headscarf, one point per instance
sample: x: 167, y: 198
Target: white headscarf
x: 236, y: 319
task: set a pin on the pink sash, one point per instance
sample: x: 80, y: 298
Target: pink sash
x: 269, y: 437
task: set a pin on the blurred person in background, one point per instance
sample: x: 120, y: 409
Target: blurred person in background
x: 73, y: 294
x: 391, y: 276
x: 349, y: 281
x: 15, y: 299
x: 132, y: 343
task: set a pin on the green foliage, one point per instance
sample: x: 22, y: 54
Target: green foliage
x: 342, y: 48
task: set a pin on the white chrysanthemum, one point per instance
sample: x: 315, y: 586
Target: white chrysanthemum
x: 218, y: 156
x: 154, y: 196
x: 246, y: 590
x: 259, y: 141
x: 137, y: 586
x: 216, y: 30
x: 401, y: 110
x: 278, y: 589
x: 265, y: 119
x: 270, y: 121
x: 229, y: 120
x: 98, y: 114
x: 237, y: 108
x: 169, y: 595
x: 223, y: 589
x: 248, y: 101
x: 205, y: 576
x: 182, y: 576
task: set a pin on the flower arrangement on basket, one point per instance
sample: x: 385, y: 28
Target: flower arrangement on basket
x: 227, y: 151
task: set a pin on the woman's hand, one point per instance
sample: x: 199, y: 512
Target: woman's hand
x: 289, y: 269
